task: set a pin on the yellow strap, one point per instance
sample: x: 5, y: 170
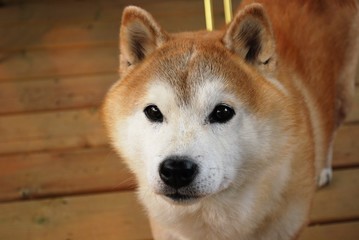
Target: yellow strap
x: 208, y: 10
x: 227, y: 10
x: 209, y: 14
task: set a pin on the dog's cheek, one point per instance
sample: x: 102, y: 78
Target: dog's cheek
x: 153, y: 141
x: 209, y: 155
x: 211, y: 175
x: 128, y: 141
x: 231, y: 149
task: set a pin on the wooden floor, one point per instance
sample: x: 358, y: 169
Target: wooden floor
x: 58, y: 177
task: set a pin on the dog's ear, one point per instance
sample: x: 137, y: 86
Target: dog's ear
x: 139, y: 36
x: 250, y: 36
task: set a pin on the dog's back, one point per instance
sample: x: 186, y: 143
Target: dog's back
x: 319, y: 41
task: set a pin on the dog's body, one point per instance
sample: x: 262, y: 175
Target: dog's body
x: 228, y: 132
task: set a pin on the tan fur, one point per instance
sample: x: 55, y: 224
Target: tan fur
x: 299, y: 82
x: 319, y: 41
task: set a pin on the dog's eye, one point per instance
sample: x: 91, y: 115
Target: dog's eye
x: 221, y: 114
x: 153, y: 114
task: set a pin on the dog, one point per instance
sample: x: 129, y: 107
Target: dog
x: 230, y: 132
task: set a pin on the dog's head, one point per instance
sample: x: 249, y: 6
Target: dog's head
x: 194, y: 113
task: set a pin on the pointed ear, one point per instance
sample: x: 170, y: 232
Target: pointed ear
x: 250, y: 36
x: 140, y: 35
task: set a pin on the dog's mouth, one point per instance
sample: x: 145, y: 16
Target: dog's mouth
x: 181, y: 198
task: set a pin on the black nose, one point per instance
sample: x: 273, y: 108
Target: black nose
x: 178, y: 172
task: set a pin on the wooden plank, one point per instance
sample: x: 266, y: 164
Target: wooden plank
x: 54, y: 93
x: 59, y: 62
x: 46, y: 35
x: 339, y: 200
x: 51, y: 130
x: 354, y: 113
x: 338, y: 231
x: 17, y: 12
x: 40, y: 11
x: 106, y: 216
x: 118, y: 216
x: 346, y: 147
x: 95, y: 169
x: 26, y: 176
x: 92, y: 23
x: 100, y: 10
x: 357, y: 75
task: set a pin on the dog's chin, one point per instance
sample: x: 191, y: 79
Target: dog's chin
x: 181, y: 199
x: 188, y: 196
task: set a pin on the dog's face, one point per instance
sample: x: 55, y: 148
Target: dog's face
x: 185, y: 114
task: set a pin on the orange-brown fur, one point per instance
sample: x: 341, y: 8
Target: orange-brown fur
x: 317, y: 39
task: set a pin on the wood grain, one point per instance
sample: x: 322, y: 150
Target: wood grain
x: 101, y: 10
x: 354, y: 112
x: 346, y: 145
x: 30, y: 36
x: 56, y: 173
x: 57, y: 93
x: 35, y: 25
x: 51, y: 130
x: 106, y: 216
x: 339, y: 231
x: 337, y: 201
x: 59, y: 62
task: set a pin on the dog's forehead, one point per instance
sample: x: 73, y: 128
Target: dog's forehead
x: 201, y: 97
x: 188, y: 66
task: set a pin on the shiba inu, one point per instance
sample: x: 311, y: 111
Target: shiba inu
x: 229, y: 132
